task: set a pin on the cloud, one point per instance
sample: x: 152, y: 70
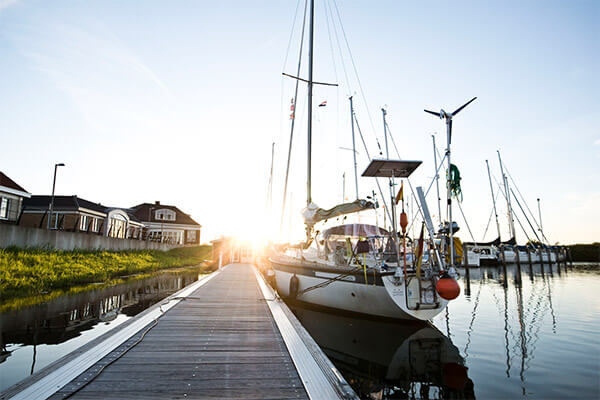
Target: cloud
x: 114, y: 90
x: 597, y: 142
x: 4, y: 4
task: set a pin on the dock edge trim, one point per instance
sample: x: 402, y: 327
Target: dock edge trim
x: 314, y: 380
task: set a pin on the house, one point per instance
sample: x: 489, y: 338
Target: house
x: 74, y: 214
x: 11, y: 199
x: 168, y: 224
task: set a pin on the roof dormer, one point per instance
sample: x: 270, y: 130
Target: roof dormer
x: 164, y: 214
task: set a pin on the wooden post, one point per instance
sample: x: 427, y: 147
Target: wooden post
x: 503, y: 256
x: 550, y: 261
x: 517, y: 253
x: 541, y: 259
x: 530, y: 264
x: 467, y: 273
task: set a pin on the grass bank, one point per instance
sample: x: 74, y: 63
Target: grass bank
x: 33, y: 272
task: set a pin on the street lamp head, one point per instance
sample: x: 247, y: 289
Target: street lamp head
x: 60, y: 165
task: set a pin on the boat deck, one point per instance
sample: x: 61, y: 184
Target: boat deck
x: 228, y: 338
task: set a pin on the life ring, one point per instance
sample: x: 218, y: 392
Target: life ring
x: 294, y: 285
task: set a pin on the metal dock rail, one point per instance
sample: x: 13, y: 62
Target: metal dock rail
x: 225, y: 336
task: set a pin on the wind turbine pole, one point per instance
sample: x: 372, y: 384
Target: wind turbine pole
x: 353, y: 147
x: 449, y: 193
x: 448, y: 117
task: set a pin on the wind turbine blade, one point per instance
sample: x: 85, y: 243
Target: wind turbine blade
x: 463, y: 106
x: 450, y: 130
x: 437, y: 114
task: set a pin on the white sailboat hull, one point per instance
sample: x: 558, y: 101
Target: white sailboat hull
x: 387, y: 300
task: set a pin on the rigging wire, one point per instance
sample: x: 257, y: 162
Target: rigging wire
x: 287, y: 170
x: 501, y: 190
x: 387, y: 209
x: 287, y: 51
x: 362, y: 92
x: 337, y: 39
x: 489, y: 219
x: 526, y: 206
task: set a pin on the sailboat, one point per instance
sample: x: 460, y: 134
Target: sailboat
x: 508, y: 251
x: 362, y: 268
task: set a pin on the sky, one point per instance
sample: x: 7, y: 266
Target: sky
x: 180, y: 101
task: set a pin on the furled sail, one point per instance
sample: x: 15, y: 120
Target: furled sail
x: 313, y: 214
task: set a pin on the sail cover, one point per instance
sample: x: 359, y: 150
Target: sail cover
x: 313, y: 214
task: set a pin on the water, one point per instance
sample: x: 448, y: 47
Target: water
x: 33, y: 337
x: 537, y: 338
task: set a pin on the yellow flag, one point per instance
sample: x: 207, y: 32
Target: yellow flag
x: 400, y: 194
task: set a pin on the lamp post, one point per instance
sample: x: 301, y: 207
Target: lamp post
x: 52, y: 198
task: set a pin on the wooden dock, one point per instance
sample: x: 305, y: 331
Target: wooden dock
x: 227, y: 336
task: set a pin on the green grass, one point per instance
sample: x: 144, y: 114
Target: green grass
x: 33, y: 272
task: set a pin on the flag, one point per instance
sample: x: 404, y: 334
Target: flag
x: 323, y: 104
x: 419, y: 254
x: 400, y: 195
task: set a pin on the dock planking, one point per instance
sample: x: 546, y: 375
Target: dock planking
x: 220, y: 342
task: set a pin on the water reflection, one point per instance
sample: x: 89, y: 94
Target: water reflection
x: 388, y: 360
x: 33, y: 337
x: 528, y: 331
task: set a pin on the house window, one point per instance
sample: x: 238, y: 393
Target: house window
x: 83, y: 223
x: 165, y: 215
x: 191, y: 236
x: 3, y: 207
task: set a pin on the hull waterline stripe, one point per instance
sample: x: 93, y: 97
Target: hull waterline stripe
x: 55, y: 380
x: 315, y: 382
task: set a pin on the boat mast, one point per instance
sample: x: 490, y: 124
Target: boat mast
x: 493, y: 199
x: 353, y: 147
x: 540, y: 214
x: 387, y: 155
x: 437, y: 180
x: 511, y: 222
x: 310, y: 88
x: 270, y: 190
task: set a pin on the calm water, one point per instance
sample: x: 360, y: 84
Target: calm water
x: 534, y: 339
x: 33, y: 337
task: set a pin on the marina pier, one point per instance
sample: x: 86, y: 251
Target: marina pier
x: 225, y: 336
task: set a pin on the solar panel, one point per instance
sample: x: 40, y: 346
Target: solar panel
x: 382, y: 168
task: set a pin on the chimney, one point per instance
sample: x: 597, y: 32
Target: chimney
x: 157, y: 203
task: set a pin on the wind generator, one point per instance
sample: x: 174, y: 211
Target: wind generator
x: 448, y: 117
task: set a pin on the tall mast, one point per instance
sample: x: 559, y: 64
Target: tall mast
x: 437, y: 181
x: 310, y: 87
x: 493, y: 198
x: 270, y: 190
x: 387, y: 155
x: 540, y: 214
x: 353, y: 148
x: 511, y: 222
x: 343, y: 187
